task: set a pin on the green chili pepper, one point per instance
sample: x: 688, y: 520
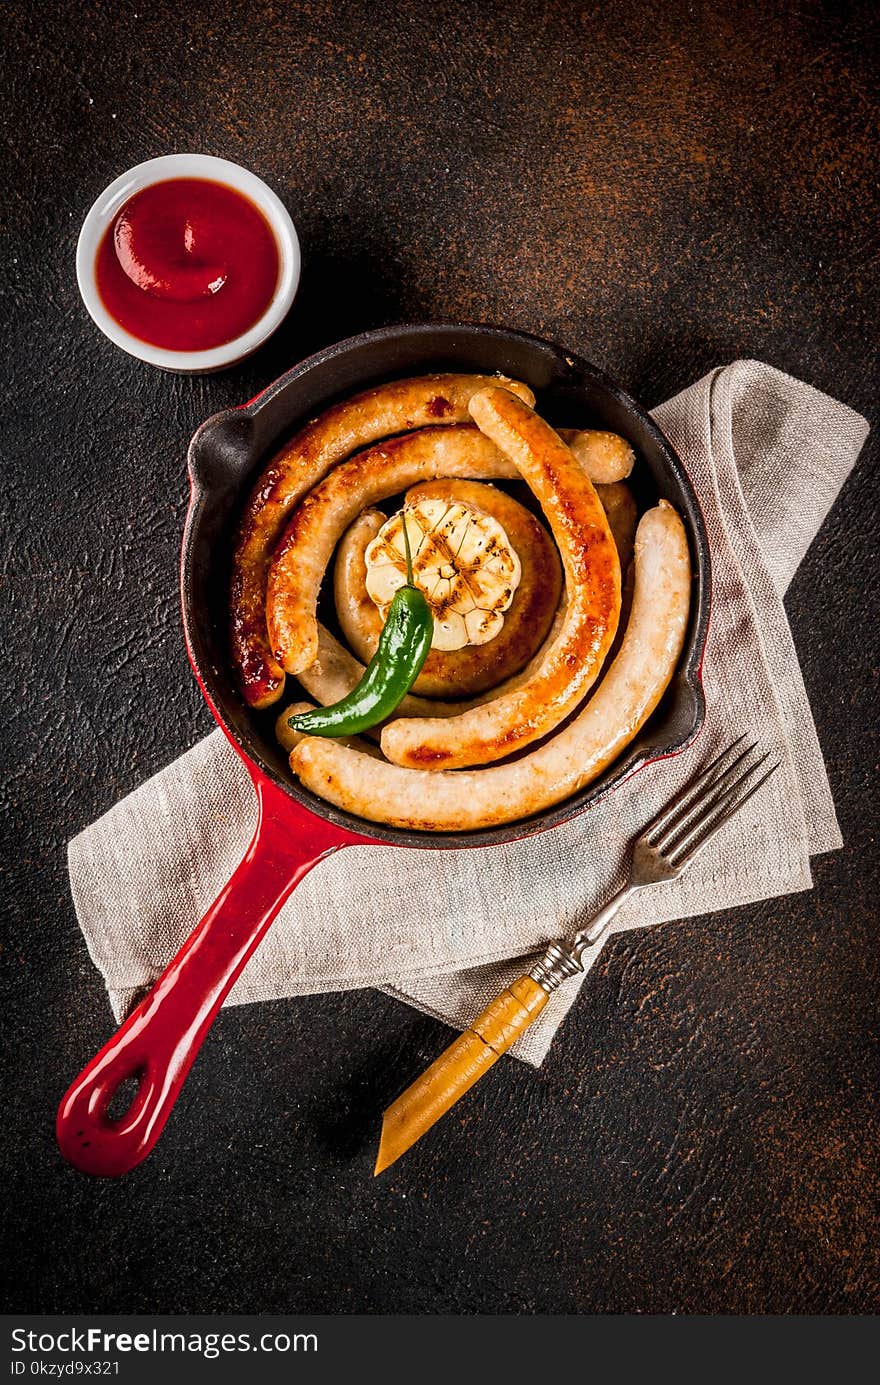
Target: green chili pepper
x: 402, y: 650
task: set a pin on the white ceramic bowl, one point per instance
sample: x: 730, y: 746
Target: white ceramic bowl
x: 103, y: 212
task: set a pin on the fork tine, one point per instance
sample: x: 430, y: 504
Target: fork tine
x: 694, y: 841
x: 686, y: 795
x: 697, y: 803
x: 718, y: 796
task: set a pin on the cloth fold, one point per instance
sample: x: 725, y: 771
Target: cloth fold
x: 767, y: 456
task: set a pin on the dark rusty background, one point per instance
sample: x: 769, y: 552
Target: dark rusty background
x: 663, y: 187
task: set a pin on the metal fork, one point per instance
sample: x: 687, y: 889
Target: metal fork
x: 666, y: 847
x: 662, y: 852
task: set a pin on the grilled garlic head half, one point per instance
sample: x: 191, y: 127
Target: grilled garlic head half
x: 462, y: 560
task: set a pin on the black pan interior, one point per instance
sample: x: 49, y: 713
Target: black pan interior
x: 229, y: 449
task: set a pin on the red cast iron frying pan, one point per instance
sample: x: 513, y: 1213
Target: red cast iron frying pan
x: 157, y: 1044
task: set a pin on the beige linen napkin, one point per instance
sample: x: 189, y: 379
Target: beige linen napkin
x: 767, y: 456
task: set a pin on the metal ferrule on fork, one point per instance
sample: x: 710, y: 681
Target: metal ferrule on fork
x: 557, y: 964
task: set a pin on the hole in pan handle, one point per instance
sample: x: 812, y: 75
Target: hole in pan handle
x: 158, y: 1043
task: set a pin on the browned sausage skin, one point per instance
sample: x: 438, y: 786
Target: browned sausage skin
x: 322, y: 516
x: 355, y: 610
x: 592, y: 575
x: 620, y: 507
x: 605, y: 457
x: 304, y: 461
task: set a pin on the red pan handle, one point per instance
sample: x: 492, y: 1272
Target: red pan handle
x: 159, y: 1041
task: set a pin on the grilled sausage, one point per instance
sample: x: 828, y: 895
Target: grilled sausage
x: 355, y: 609
x: 467, y: 800
x: 592, y: 572
x: 620, y: 508
x: 301, y: 464
x: 326, y: 512
x: 605, y: 457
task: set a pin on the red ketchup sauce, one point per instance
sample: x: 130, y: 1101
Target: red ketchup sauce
x: 187, y: 264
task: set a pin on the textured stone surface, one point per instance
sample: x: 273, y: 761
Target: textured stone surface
x: 663, y: 188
